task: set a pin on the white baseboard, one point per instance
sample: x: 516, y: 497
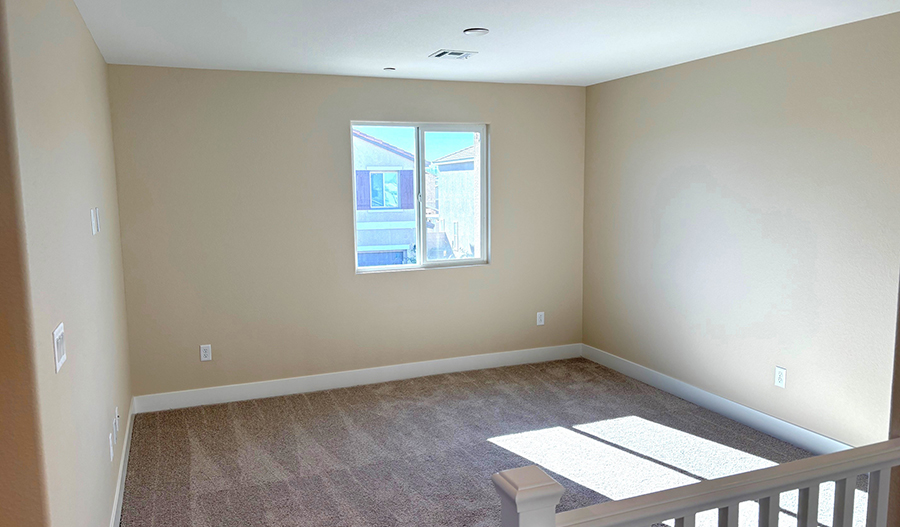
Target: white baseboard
x: 791, y: 433
x: 344, y: 379
x: 123, y: 469
x: 796, y: 435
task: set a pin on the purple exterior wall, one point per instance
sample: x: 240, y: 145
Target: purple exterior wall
x: 362, y: 190
x: 407, y: 190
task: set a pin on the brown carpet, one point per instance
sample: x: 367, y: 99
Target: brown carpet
x: 404, y: 453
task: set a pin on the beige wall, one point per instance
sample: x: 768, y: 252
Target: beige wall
x: 22, y: 486
x: 742, y: 212
x: 66, y: 167
x: 237, y: 226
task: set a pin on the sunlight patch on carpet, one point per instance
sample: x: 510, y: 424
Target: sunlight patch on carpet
x: 592, y: 464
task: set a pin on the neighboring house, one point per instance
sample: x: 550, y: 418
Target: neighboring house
x: 385, y: 202
x: 386, y: 206
x: 459, y: 189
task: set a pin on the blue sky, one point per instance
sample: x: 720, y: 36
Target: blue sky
x: 437, y: 144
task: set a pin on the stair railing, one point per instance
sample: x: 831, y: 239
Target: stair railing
x: 529, y: 496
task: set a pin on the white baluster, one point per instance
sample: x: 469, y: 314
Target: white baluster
x: 768, y: 511
x: 879, y: 485
x: 844, y: 494
x: 528, y: 497
x: 728, y: 516
x: 687, y: 521
x: 808, y: 507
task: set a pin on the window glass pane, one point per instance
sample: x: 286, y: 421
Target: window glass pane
x: 384, y: 166
x: 391, y: 190
x: 453, y: 195
x: 377, y: 189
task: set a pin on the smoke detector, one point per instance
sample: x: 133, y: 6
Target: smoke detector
x: 452, y: 54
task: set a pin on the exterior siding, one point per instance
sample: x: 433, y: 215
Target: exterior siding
x: 407, y: 190
x: 362, y: 190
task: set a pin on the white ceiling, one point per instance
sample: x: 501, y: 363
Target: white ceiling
x: 577, y: 42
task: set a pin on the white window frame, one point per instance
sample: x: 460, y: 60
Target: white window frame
x: 422, y: 261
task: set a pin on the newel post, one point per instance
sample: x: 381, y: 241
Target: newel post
x: 528, y: 497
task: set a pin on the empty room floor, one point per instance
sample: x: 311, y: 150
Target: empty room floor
x: 421, y: 451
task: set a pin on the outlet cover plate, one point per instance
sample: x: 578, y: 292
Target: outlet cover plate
x: 540, y: 318
x: 59, y: 346
x: 206, y: 352
x: 780, y: 376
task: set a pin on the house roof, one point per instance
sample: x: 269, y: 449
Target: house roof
x: 460, y: 155
x: 381, y: 144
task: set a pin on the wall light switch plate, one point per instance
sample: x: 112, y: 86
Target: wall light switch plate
x: 97, y: 216
x: 115, y: 433
x: 112, y: 450
x: 206, y: 352
x: 59, y: 346
x: 540, y: 318
x: 780, y: 376
x: 95, y: 225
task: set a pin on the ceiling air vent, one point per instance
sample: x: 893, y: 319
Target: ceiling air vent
x: 451, y: 54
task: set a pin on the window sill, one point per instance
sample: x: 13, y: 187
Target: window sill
x: 427, y: 267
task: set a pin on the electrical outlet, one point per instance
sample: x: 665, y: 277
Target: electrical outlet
x: 780, y: 375
x: 95, y: 225
x: 540, y: 318
x: 112, y: 450
x: 59, y: 346
x: 206, y: 352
